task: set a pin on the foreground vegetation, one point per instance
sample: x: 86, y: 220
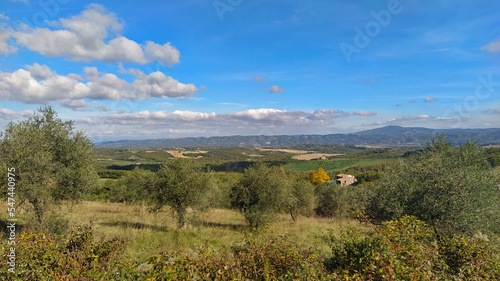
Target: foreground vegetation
x: 230, y: 214
x: 404, y: 249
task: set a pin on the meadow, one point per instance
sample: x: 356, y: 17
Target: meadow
x: 150, y: 233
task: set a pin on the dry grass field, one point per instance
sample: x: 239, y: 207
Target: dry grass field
x: 180, y: 153
x: 301, y: 154
x: 149, y: 234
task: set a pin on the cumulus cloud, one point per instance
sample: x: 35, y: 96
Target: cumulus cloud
x: 3, y: 17
x: 276, y: 89
x: 364, y: 113
x: 250, y: 121
x: 8, y: 114
x: 493, y: 47
x: 92, y: 35
x: 204, y: 88
x: 39, y: 84
x: 429, y: 99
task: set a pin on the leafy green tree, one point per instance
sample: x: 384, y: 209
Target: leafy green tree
x: 262, y: 192
x: 454, y: 190
x: 302, y: 201
x: 133, y: 187
x: 52, y: 162
x: 183, y: 184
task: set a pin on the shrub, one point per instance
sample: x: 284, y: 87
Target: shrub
x: 75, y: 256
x: 408, y: 249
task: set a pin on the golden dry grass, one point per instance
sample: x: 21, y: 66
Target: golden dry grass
x: 180, y: 153
x: 148, y: 234
x: 302, y: 154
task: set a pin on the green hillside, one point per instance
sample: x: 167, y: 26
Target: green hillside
x: 336, y: 164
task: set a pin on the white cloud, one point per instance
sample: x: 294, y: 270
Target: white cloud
x: 204, y: 88
x: 75, y: 104
x: 8, y: 114
x: 364, y: 113
x: 232, y: 104
x: 93, y: 35
x: 420, y: 120
x: 493, y: 47
x: 247, y: 122
x: 326, y: 114
x: 5, y: 48
x: 39, y: 84
x: 276, y: 89
x: 429, y: 99
x: 3, y: 17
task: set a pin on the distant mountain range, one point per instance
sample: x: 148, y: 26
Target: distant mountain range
x: 390, y: 136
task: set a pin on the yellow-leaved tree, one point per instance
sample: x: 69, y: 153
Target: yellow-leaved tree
x: 318, y: 176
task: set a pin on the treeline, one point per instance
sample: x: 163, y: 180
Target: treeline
x: 377, y: 153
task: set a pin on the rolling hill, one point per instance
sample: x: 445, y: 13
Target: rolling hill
x: 389, y: 136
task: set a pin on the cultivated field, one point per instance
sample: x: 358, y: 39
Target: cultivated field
x: 181, y: 153
x: 302, y: 154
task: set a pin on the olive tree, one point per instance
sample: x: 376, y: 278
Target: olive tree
x: 182, y: 184
x: 302, y: 200
x: 261, y: 193
x: 132, y: 188
x: 454, y: 190
x: 52, y: 162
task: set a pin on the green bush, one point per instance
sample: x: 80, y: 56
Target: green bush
x: 408, y: 249
x: 74, y: 256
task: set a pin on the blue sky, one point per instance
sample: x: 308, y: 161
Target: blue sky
x: 169, y: 69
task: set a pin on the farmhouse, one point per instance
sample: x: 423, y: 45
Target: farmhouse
x: 345, y: 179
